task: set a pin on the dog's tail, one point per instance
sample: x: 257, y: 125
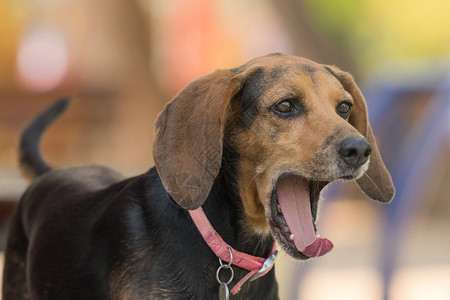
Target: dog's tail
x: 31, y: 161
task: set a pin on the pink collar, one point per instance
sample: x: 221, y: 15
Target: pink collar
x: 257, y: 266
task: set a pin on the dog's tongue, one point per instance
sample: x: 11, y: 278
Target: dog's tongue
x: 293, y: 197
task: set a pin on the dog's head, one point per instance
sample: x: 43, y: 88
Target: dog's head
x: 295, y: 125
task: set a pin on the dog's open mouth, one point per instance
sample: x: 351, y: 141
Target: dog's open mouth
x: 294, y: 211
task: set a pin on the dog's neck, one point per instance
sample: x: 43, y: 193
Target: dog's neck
x: 225, y: 211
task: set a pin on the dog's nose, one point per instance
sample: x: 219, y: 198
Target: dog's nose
x: 355, y: 151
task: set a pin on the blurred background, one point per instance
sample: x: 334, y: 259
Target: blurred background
x: 121, y: 61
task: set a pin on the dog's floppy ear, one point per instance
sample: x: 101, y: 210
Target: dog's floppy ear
x: 376, y: 182
x: 189, y: 137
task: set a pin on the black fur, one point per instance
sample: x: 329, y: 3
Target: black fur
x: 251, y: 94
x: 30, y: 158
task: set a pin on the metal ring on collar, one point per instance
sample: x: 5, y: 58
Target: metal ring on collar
x: 226, y: 266
x: 231, y: 277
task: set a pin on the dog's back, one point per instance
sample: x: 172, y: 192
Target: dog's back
x: 49, y: 191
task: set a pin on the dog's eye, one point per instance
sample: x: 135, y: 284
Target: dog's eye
x: 284, y: 106
x: 343, y: 109
x: 288, y: 108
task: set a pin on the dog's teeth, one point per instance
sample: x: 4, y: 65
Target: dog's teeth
x: 317, y: 235
x: 291, y: 237
x: 279, y: 208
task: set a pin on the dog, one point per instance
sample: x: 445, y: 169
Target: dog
x: 251, y: 147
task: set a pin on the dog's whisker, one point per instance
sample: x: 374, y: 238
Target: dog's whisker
x: 250, y: 183
x: 379, y: 190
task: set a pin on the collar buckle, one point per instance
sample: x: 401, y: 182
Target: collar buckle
x: 267, y: 265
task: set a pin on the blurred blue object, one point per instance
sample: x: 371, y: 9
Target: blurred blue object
x: 411, y: 136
